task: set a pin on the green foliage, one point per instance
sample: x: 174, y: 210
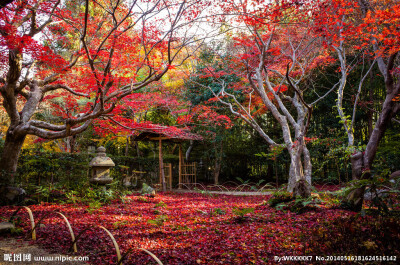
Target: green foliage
x: 143, y: 199
x: 247, y: 182
x: 43, y: 192
x: 120, y: 224
x: 43, y: 169
x: 198, y: 94
x: 382, y: 193
x: 72, y: 197
x: 17, y: 231
x: 181, y: 228
x: 274, y: 153
x: 99, y: 194
x: 205, y: 192
x: 147, y: 190
x: 257, y: 186
x: 44, y: 174
x: 388, y: 154
x: 161, y: 204
x: 333, y: 198
x: 241, y: 181
x: 47, y: 193
x: 283, y: 200
x: 300, y: 205
x: 158, y: 221
x: 280, y: 196
x: 219, y: 211
x: 241, y: 212
x: 95, y: 197
x: 93, y: 206
x: 331, y: 159
x: 123, y: 198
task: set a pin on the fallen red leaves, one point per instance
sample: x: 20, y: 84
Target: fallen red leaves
x: 191, y: 229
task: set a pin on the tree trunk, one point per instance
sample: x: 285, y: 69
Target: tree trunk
x: 218, y: 162
x: 362, y: 161
x: 72, y: 141
x: 217, y: 170
x: 370, y: 110
x: 162, y: 175
x: 355, y: 198
x: 294, y: 175
x: 299, y: 179
x: 357, y: 165
x: 9, y: 158
x: 187, y: 156
x: 127, y: 146
x: 8, y: 167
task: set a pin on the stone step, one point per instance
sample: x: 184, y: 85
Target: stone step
x: 6, y: 227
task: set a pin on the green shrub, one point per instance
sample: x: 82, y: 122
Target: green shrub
x: 159, y: 221
x: 300, y: 205
x: 93, y: 206
x: 120, y: 224
x: 382, y: 193
x: 161, y: 204
x: 280, y: 196
x: 240, y: 213
x: 219, y: 211
x: 143, y: 199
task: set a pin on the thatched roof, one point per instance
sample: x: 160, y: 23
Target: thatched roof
x: 155, y: 132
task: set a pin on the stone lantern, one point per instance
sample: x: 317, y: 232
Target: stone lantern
x: 100, y: 168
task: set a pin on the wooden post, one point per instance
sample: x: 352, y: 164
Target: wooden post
x: 170, y: 176
x: 160, y: 158
x: 180, y: 166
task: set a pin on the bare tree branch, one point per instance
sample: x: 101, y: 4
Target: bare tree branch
x: 48, y: 88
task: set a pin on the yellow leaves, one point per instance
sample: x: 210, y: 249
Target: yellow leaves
x: 370, y: 245
x: 174, y: 83
x: 49, y: 146
x: 29, y: 141
x: 315, y: 195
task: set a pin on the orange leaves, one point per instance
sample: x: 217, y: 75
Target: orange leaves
x: 336, y: 20
x: 382, y: 24
x: 344, y: 20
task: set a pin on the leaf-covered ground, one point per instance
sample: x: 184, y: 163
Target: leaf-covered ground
x: 194, y: 228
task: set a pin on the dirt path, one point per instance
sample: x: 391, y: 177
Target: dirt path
x: 30, y: 254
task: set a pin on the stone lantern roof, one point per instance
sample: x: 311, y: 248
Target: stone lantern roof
x: 101, y: 160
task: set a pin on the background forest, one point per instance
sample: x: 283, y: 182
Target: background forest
x: 202, y: 89
x: 287, y: 111
x: 237, y: 152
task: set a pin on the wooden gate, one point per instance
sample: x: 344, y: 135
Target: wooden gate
x: 188, y: 173
x: 167, y: 175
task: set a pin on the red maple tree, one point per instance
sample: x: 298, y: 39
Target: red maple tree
x: 273, y: 50
x: 368, y: 31
x: 85, y: 60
